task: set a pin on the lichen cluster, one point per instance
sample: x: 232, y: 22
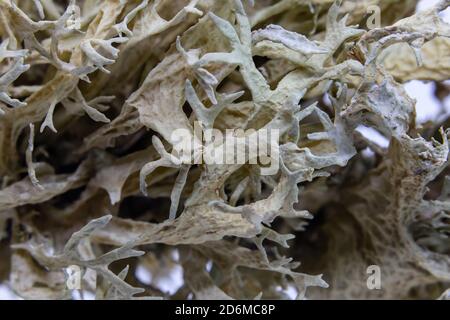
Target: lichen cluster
x: 91, y: 92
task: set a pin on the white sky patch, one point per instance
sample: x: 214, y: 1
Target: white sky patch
x: 426, y: 4
x: 291, y: 292
x: 445, y: 15
x: 368, y: 153
x: 373, y: 135
x: 208, y: 266
x: 326, y: 100
x: 87, y: 295
x: 7, y: 294
x: 143, y: 275
x: 447, y: 100
x: 173, y: 282
x: 84, y: 295
x: 428, y: 106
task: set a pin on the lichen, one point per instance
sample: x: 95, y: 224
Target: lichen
x: 126, y: 87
